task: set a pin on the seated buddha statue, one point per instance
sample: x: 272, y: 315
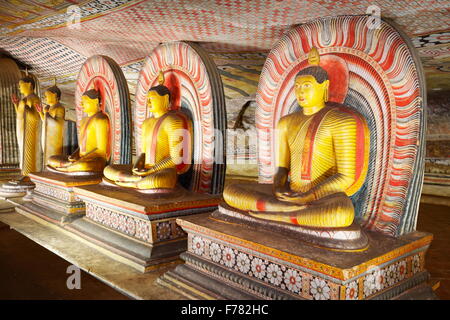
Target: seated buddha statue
x: 53, y: 117
x: 27, y: 126
x: 165, y: 144
x: 319, y: 162
x: 94, y: 151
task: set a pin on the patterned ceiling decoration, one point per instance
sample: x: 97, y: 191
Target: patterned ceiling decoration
x: 49, y: 13
x: 47, y: 57
x: 39, y: 32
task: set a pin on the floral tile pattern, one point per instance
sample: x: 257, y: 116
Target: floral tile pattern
x: 168, y: 230
x: 271, y: 273
x: 351, y: 292
x: 57, y: 193
x: 301, y: 283
x: 382, y: 278
x: 132, y: 226
x: 319, y: 289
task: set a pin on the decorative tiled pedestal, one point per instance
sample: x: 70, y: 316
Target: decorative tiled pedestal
x: 232, y: 261
x: 53, y: 198
x: 138, y: 228
x: 10, y: 184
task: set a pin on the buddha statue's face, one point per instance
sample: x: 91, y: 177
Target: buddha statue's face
x: 157, y: 104
x: 90, y: 106
x: 25, y: 88
x: 51, y: 98
x: 309, y: 92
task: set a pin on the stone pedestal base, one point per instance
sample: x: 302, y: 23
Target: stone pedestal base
x: 53, y: 198
x: 351, y: 238
x: 15, y: 188
x: 6, y: 207
x: 138, y: 227
x: 231, y: 261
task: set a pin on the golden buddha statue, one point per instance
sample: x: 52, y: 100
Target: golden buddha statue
x: 53, y: 117
x: 166, y: 143
x: 27, y: 126
x: 94, y: 140
x: 317, y: 158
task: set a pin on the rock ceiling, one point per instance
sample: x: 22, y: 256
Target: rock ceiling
x: 54, y: 37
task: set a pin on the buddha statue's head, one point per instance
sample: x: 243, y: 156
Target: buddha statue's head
x: 26, y: 85
x: 90, y: 101
x: 52, y: 95
x: 158, y: 98
x: 311, y: 85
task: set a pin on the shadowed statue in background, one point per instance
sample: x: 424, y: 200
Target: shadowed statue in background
x: 52, y: 116
x: 94, y: 140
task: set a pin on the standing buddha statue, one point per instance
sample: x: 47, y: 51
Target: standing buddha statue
x: 27, y: 126
x: 166, y: 144
x: 318, y: 160
x: 52, y: 116
x: 94, y: 141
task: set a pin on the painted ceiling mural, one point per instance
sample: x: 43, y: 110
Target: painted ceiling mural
x: 55, y: 37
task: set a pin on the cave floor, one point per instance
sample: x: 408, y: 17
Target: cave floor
x: 30, y: 271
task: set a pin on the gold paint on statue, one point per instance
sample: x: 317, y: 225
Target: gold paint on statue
x: 52, y: 116
x: 318, y: 148
x: 163, y: 146
x: 93, y: 152
x: 27, y: 126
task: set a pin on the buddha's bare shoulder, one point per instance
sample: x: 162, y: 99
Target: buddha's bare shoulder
x: 57, y: 109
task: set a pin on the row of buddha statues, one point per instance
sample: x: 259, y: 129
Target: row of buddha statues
x: 315, y: 154
x: 156, y: 168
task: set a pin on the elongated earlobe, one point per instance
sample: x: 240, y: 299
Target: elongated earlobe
x: 325, y: 92
x: 166, y: 99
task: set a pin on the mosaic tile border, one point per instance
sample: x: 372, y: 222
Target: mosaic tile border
x: 62, y: 194
x: 148, y: 231
x: 297, y: 282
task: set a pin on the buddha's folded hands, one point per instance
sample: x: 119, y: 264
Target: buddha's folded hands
x: 142, y: 172
x: 292, y: 196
